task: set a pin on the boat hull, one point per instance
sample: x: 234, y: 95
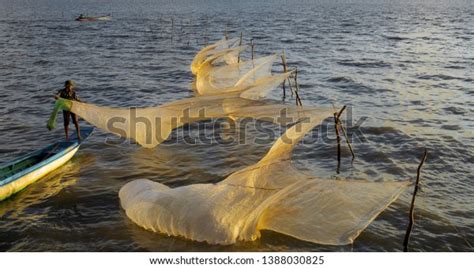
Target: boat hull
x: 21, y: 172
x: 51, y: 164
x: 86, y: 19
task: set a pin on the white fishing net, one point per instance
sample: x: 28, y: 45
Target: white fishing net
x: 225, y: 88
x: 269, y: 195
x: 218, y: 68
x: 233, y: 77
x: 151, y: 126
x: 224, y: 51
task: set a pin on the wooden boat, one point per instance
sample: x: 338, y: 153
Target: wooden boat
x: 98, y: 18
x: 19, y: 173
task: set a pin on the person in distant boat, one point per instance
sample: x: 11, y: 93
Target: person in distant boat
x: 68, y: 93
x: 81, y: 17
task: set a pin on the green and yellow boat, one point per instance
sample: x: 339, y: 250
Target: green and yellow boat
x: 21, y: 172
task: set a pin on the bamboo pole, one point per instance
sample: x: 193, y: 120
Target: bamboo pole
x: 252, y: 46
x: 240, y: 44
x: 344, y: 131
x: 290, y: 86
x: 298, y: 99
x: 285, y: 69
x: 412, y: 206
x: 338, y: 142
x: 347, y: 139
x: 336, y: 124
x: 341, y: 111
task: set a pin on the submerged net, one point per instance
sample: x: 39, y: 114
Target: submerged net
x: 269, y: 195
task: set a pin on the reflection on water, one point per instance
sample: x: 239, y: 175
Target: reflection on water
x: 405, y: 66
x: 32, y: 204
x: 42, y: 190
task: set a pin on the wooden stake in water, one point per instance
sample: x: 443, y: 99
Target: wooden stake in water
x: 347, y: 139
x: 337, y: 124
x: 341, y: 111
x: 344, y: 132
x: 285, y: 69
x: 240, y: 44
x: 338, y: 143
x: 412, y: 206
x: 252, y: 46
x: 298, y: 99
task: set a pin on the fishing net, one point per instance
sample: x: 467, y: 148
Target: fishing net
x: 151, y: 126
x: 233, y: 77
x: 224, y: 51
x: 218, y: 69
x: 269, y: 195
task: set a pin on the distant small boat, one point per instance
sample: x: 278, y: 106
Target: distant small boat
x: 21, y: 172
x: 98, y: 18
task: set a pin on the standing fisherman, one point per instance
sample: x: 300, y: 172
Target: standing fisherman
x: 68, y: 93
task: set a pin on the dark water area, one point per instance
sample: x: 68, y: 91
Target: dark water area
x: 405, y: 69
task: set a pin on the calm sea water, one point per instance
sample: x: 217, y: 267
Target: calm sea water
x: 404, y: 67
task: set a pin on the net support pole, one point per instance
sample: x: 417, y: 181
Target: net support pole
x: 240, y: 44
x: 412, y: 206
x: 253, y: 48
x: 337, y: 122
x: 298, y: 99
x: 343, y: 129
x: 285, y: 69
x: 338, y: 139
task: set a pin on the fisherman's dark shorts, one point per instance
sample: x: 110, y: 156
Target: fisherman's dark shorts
x: 67, y: 115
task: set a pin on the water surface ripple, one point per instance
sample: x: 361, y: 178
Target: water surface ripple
x: 404, y: 66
